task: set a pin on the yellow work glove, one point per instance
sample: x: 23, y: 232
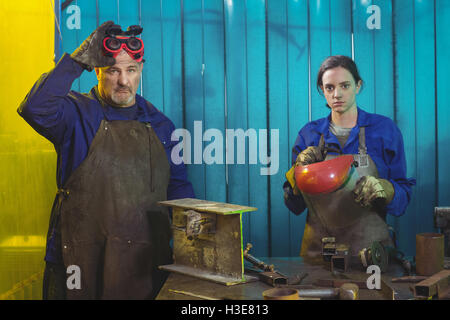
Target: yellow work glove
x: 372, y: 192
x: 290, y: 177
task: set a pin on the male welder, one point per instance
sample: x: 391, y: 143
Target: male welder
x: 113, y: 167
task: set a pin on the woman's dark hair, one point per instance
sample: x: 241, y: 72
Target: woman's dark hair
x: 334, y: 62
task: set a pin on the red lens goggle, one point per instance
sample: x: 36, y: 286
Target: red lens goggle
x: 132, y: 45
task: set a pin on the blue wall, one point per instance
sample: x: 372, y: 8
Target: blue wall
x: 251, y: 64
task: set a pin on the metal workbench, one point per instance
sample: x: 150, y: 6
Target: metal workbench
x: 190, y: 288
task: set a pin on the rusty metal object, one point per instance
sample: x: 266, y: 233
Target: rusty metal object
x: 281, y: 294
x: 297, y: 279
x: 207, y: 240
x: 322, y: 293
x: 340, y: 261
x: 436, y: 285
x: 386, y: 291
x: 328, y: 248
x: 272, y: 278
x: 349, y: 291
x: 442, y: 221
x: 255, y: 261
x: 191, y: 294
x: 336, y: 283
x: 429, y: 253
x: 199, y: 223
x: 408, y: 279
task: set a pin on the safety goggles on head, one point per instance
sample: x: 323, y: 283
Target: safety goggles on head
x: 116, y: 40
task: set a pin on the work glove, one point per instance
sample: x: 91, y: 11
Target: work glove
x: 90, y: 53
x: 372, y: 192
x: 308, y: 156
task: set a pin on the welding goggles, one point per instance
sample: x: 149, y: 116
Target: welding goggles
x: 116, y: 40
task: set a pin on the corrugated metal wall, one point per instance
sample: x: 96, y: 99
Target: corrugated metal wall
x: 252, y: 64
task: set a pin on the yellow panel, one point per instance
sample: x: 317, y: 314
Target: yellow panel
x: 27, y: 160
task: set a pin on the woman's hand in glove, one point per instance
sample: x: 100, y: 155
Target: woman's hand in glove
x: 372, y: 192
x: 309, y: 155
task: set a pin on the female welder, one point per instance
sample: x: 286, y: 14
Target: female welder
x: 376, y: 144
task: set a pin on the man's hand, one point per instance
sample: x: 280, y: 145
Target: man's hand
x: 372, y: 192
x: 308, y: 156
x: 90, y: 53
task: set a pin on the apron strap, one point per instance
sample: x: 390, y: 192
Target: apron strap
x: 152, y: 174
x: 325, y: 148
x: 362, y: 148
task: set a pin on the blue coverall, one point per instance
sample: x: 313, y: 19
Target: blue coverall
x: 384, y: 144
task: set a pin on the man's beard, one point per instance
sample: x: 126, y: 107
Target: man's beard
x: 119, y: 100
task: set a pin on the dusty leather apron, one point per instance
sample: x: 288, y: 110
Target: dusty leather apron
x: 111, y: 225
x: 337, y: 215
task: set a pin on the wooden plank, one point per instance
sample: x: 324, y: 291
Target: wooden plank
x: 171, y: 61
x: 214, y: 95
x: 257, y: 110
x: 426, y: 113
x: 384, y: 72
x: 70, y: 37
x: 88, y: 25
x: 238, y: 145
x: 207, y: 206
x: 193, y: 44
x: 108, y: 10
x: 405, y: 114
x: 129, y: 14
x: 364, y: 54
x: 152, y: 75
x: 278, y: 119
x: 341, y: 27
x: 443, y: 100
x: 319, y: 32
x: 384, y: 62
x: 298, y: 97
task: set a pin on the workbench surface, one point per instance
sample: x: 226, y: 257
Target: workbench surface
x: 197, y: 289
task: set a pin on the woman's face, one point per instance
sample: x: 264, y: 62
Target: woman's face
x: 340, y: 89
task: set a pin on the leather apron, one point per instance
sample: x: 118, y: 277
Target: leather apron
x: 111, y: 226
x: 336, y: 214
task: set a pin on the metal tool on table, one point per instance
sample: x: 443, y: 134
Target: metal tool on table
x: 380, y: 255
x: 269, y: 275
x: 337, y: 254
x: 347, y: 291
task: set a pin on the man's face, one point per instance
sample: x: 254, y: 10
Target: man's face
x: 340, y: 89
x: 118, y: 84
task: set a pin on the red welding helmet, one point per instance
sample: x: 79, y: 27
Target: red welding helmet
x: 324, y: 177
